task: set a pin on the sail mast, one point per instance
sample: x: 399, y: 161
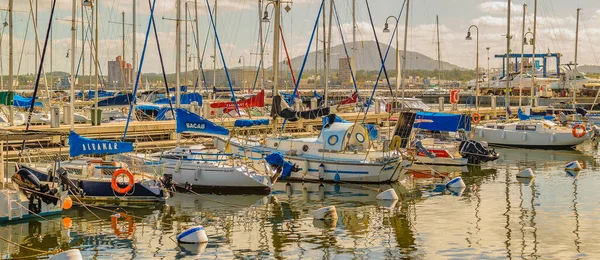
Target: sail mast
x: 576, y: 44
x: 72, y: 90
x: 439, y: 60
x: 403, y: 70
x: 507, y: 56
x: 11, y: 115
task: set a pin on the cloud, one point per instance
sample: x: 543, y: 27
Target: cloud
x: 497, y: 7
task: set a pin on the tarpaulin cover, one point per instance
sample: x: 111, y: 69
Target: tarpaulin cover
x: 523, y: 116
x: 250, y: 122
x: 257, y: 100
x: 147, y: 107
x: 350, y: 100
x: 20, y: 101
x: 101, y: 94
x: 276, y: 159
x: 164, y: 114
x: 119, y: 100
x: 442, y: 122
x: 79, y: 145
x: 190, y: 122
x: 185, y: 99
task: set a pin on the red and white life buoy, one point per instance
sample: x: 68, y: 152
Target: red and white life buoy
x: 130, y: 181
x: 454, y: 96
x: 579, y: 134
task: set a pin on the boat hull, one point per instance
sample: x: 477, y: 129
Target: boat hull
x: 533, y: 140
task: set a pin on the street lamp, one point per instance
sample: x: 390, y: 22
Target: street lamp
x: 468, y: 38
x: 398, y: 75
x: 242, y: 60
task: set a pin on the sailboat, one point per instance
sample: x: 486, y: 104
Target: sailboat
x: 204, y: 170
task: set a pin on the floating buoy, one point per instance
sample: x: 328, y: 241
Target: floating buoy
x: 572, y: 173
x: 325, y: 213
x: 193, y: 249
x: 525, y: 181
x: 389, y: 194
x: 288, y: 189
x: 387, y: 204
x: 321, y: 192
x: 68, y: 203
x: 67, y: 222
x: 456, y: 183
x: 573, y: 166
x: 193, y: 235
x: 456, y: 191
x: 73, y: 254
x: 336, y: 177
x: 527, y: 173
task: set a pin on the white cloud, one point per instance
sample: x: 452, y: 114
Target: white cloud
x: 499, y: 7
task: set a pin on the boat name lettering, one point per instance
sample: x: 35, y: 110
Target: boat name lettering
x: 195, y: 125
x: 99, y: 146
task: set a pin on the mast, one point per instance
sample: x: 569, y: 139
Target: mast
x: 439, y: 60
x: 11, y: 115
x: 317, y: 59
x: 200, y: 82
x: 533, y: 87
x: 177, y: 54
x: 82, y: 50
x: 576, y: 43
x: 325, y: 72
x: 276, y: 40
x: 262, y: 48
x: 215, y: 48
x: 328, y: 52
x: 403, y: 70
x: 507, y: 56
x: 123, y: 69
x: 133, y: 55
x: 522, y: 54
x: 96, y: 62
x: 353, y: 28
x: 72, y: 90
x: 185, y: 81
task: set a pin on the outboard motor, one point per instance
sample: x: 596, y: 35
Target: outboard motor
x: 34, y: 190
x: 476, y: 153
x: 64, y: 179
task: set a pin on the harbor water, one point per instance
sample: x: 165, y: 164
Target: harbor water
x: 496, y: 216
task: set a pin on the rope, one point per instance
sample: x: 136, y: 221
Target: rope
x: 337, y: 18
x: 139, y: 72
x: 305, y: 59
x: 389, y: 45
x: 237, y: 109
x: 162, y: 64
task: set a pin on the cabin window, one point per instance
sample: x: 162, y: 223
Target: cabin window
x: 526, y: 127
x: 332, y: 140
x: 360, y: 138
x: 500, y: 127
x: 305, y: 148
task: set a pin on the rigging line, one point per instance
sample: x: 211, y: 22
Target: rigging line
x: 297, y: 83
x: 23, y: 47
x: 37, y: 80
x: 379, y: 48
x: 237, y: 109
x: 263, y: 49
x: 346, y: 50
x: 162, y: 64
x: 287, y: 55
x: 384, y: 59
x: 139, y: 72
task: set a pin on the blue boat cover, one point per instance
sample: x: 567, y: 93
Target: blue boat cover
x: 190, y: 122
x: 164, y: 114
x: 147, y: 107
x: 523, y: 116
x: 185, y: 99
x: 250, y: 122
x: 182, y: 89
x: 288, y: 97
x: 442, y: 122
x: 20, y: 101
x: 276, y: 159
x: 371, y: 128
x: 79, y: 145
x: 118, y: 100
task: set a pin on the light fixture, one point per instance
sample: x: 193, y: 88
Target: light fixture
x: 287, y: 8
x: 265, y: 18
x: 468, y: 38
x: 240, y: 60
x: 5, y: 23
x: 531, y: 41
x: 525, y: 41
x: 68, y: 52
x: 385, y: 28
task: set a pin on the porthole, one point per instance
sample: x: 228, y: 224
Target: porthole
x: 360, y: 138
x: 275, y: 144
x: 332, y: 140
x: 305, y: 148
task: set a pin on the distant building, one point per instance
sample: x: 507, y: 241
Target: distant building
x: 344, y: 70
x: 118, y: 72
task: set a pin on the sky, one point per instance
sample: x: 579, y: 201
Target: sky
x: 237, y: 28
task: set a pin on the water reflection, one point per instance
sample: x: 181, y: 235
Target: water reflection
x: 496, y: 216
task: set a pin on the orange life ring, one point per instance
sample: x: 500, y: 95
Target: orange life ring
x: 579, y: 135
x: 476, y: 118
x: 114, y: 221
x: 116, y: 187
x: 125, y: 111
x: 454, y: 96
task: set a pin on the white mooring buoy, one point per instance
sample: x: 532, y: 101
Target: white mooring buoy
x: 193, y: 235
x: 389, y: 194
x: 573, y: 166
x: 456, y: 183
x: 73, y: 254
x: 527, y: 173
x: 325, y: 213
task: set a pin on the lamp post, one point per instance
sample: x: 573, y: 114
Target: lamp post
x: 387, y: 30
x: 476, y: 62
x: 242, y: 60
x: 276, y: 38
x: 522, y: 54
